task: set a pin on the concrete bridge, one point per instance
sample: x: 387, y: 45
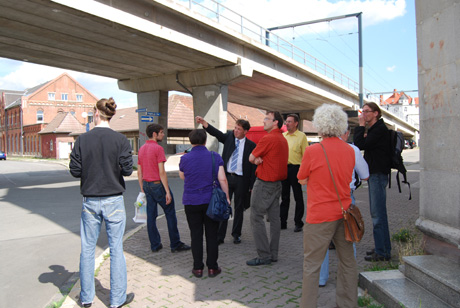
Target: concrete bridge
x: 152, y: 47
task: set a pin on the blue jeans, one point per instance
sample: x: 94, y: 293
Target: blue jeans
x: 324, y: 272
x: 112, y: 211
x: 378, y: 203
x: 156, y: 194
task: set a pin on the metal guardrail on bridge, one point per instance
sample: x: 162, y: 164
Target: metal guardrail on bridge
x: 225, y: 16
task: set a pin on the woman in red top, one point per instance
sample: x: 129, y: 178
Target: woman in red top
x: 324, y: 213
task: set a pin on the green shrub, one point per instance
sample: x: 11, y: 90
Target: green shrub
x: 403, y: 235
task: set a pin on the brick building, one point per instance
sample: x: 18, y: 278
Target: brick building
x: 402, y: 105
x: 23, y: 114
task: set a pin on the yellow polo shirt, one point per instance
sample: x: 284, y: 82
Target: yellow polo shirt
x: 297, y: 143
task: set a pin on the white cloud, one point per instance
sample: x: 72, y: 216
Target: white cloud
x: 391, y: 68
x: 283, y: 12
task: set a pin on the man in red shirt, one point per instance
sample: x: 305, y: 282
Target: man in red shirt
x: 153, y: 181
x: 271, y: 157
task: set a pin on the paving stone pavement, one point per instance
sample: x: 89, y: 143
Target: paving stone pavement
x: 164, y: 279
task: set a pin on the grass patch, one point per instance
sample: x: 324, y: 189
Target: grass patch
x: 404, y: 235
x: 57, y: 304
x: 64, y: 293
x: 368, y: 301
x: 381, y: 266
x: 408, y: 242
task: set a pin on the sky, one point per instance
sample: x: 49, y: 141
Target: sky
x: 389, y: 44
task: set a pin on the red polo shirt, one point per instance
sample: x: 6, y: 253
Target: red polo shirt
x: 274, y: 151
x: 150, y: 154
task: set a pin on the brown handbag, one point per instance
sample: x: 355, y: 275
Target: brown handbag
x: 352, y: 219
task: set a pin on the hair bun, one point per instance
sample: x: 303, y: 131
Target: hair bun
x: 111, y: 107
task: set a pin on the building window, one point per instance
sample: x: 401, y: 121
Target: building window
x: 131, y: 142
x: 51, y: 145
x: 64, y: 96
x: 90, y: 117
x: 39, y: 116
x: 79, y: 97
x: 51, y: 96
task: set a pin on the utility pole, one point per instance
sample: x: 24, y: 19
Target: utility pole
x: 360, y: 42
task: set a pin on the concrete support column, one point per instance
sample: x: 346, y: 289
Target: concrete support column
x: 210, y: 102
x: 439, y: 84
x: 156, y: 101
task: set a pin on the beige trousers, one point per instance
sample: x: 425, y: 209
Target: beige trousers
x: 316, y: 239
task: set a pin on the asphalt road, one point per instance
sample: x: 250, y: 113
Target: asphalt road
x: 39, y: 229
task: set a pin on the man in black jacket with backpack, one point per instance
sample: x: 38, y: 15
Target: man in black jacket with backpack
x: 376, y: 145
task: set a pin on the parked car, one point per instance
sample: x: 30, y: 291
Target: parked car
x: 412, y: 143
x: 406, y: 144
x: 2, y: 155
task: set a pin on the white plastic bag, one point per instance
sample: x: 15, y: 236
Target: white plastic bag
x: 140, y: 206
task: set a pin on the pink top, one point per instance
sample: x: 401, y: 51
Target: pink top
x: 150, y: 154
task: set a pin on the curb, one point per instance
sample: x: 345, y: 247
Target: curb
x: 72, y: 297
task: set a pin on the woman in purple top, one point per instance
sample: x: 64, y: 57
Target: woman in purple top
x: 195, y: 168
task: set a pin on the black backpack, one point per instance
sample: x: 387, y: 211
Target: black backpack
x: 396, y: 148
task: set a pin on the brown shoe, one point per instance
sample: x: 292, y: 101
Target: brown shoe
x: 214, y: 272
x: 198, y: 273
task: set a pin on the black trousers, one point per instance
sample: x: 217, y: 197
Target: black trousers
x: 293, y: 182
x: 237, y: 188
x: 197, y: 219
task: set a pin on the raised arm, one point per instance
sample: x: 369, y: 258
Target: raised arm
x: 221, y: 137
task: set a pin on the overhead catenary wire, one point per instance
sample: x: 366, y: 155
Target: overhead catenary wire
x: 367, y: 65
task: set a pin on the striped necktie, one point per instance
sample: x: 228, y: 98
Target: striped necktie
x: 235, y: 157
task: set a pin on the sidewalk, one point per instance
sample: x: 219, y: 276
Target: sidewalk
x: 164, y: 279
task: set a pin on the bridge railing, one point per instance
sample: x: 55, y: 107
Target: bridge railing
x: 225, y: 16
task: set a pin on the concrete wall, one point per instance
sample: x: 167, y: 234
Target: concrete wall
x: 438, y: 49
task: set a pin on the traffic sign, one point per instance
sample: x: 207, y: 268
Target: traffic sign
x: 141, y: 110
x: 146, y: 119
x: 156, y: 114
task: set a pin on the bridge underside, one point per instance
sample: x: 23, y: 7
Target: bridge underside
x: 148, y: 46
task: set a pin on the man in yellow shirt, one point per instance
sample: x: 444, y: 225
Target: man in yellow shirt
x: 297, y: 142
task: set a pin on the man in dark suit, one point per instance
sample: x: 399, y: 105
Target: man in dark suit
x: 240, y: 172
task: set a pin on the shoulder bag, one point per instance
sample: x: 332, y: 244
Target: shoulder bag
x: 218, y: 208
x: 352, y: 219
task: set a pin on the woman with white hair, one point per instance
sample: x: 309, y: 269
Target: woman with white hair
x: 324, y: 214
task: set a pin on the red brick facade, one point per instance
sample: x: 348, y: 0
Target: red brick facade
x: 23, y: 115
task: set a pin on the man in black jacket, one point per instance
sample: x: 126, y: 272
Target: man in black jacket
x: 376, y: 146
x: 240, y: 172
